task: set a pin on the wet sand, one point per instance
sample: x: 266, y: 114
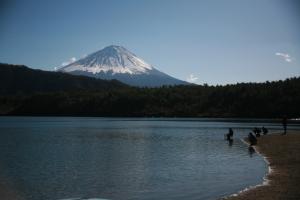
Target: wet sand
x: 7, y: 192
x: 283, y: 155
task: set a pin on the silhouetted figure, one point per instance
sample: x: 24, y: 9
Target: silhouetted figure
x: 231, y: 132
x: 284, y: 124
x: 229, y: 135
x: 254, y: 130
x: 257, y: 131
x: 264, y: 130
x: 252, y: 139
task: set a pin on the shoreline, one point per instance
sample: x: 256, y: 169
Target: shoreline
x: 281, y: 154
x: 266, y: 181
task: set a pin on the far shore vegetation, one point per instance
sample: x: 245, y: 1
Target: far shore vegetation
x: 24, y: 91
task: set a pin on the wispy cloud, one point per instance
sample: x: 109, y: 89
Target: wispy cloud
x: 71, y: 60
x: 192, y: 78
x: 84, y: 55
x: 284, y: 56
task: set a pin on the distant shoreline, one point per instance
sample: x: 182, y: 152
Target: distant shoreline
x: 282, y: 154
x: 236, y: 118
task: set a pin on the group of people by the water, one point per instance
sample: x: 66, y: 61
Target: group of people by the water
x: 258, y: 131
x: 252, y: 137
x: 255, y: 133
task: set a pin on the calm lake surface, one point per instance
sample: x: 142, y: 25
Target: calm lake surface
x: 51, y: 158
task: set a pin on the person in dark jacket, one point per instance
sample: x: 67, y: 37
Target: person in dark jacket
x: 252, y: 139
x: 229, y: 135
x: 264, y: 130
x: 256, y: 131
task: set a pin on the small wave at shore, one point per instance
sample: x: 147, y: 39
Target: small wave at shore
x: 265, y: 182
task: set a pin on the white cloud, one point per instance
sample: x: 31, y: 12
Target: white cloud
x: 84, y: 55
x: 71, y: 60
x: 192, y: 78
x: 285, y: 56
x: 55, y: 68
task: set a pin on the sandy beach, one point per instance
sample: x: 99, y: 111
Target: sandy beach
x: 283, y: 154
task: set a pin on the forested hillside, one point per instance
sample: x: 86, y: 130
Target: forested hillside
x: 258, y: 100
x: 19, y: 79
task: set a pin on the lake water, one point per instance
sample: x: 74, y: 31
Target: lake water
x: 51, y: 158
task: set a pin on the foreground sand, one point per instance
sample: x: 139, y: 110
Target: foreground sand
x: 7, y: 193
x: 283, y: 153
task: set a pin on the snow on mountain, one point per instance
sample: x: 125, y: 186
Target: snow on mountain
x: 116, y: 62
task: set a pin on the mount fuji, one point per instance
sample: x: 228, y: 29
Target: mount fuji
x: 116, y: 62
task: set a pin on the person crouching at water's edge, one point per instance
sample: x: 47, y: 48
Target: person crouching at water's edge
x: 229, y: 135
x: 252, y: 139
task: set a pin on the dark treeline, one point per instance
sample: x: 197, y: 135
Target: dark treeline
x: 19, y: 79
x: 257, y: 100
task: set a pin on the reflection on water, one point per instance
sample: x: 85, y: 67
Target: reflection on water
x: 69, y: 158
x: 230, y: 142
x: 251, y: 150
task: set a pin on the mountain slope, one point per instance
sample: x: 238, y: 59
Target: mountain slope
x: 21, y: 79
x: 116, y: 62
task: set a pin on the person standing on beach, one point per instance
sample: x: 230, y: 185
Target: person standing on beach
x: 284, y: 124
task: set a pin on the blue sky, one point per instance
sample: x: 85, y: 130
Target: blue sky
x: 207, y: 41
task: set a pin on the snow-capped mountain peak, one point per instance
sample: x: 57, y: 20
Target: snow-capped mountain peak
x: 116, y: 62
x: 113, y: 59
